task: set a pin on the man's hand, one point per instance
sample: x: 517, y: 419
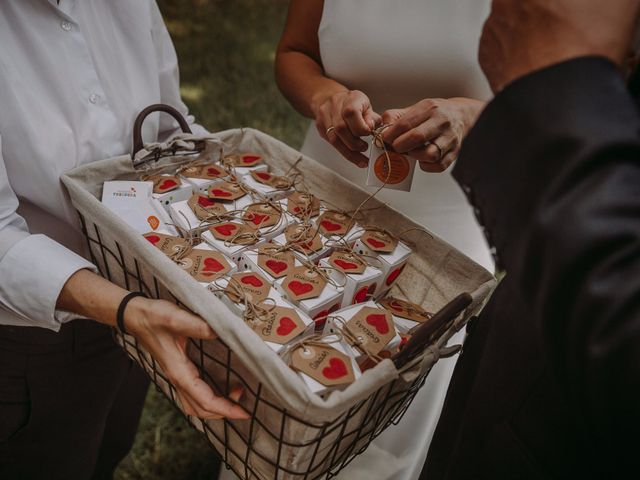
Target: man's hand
x: 431, y: 131
x: 520, y: 37
x: 163, y: 329
x: 342, y: 119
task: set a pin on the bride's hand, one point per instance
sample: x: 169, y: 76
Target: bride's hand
x: 432, y: 130
x: 342, y: 119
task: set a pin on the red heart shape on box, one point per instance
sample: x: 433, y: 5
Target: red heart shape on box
x: 250, y: 158
x: 153, y: 238
x: 335, y: 370
x: 393, y: 275
x: 214, y: 172
x: 361, y: 295
x: 212, y: 265
x: 220, y: 193
x: 300, y: 288
x: 343, y: 264
x: 167, y: 184
x: 226, y: 230
x: 257, y: 219
x: 252, y: 280
x: 276, y: 266
x: 285, y: 327
x: 263, y: 175
x: 205, y: 201
x: 378, y: 321
x: 330, y: 226
x: 375, y: 243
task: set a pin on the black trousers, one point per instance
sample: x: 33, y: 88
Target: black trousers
x: 70, y: 402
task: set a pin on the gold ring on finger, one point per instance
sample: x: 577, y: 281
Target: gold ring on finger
x: 329, y: 130
x: 429, y: 142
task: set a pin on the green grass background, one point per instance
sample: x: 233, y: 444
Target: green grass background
x: 226, y: 50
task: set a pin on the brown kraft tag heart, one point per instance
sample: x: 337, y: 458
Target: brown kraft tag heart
x: 261, y: 215
x: 304, y: 238
x: 204, y: 207
x: 302, y: 283
x: 164, y: 183
x: 379, y: 241
x: 281, y: 325
x: 253, y: 286
x: 236, y: 233
x: 324, y: 364
x: 226, y: 191
x: 303, y: 204
x: 347, y: 262
x: 404, y: 309
x: 205, y: 265
x: 373, y: 329
x: 332, y: 223
x: 276, y: 263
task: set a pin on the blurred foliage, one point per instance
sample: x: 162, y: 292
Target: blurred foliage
x: 226, y: 50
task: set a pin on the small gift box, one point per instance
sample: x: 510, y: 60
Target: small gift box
x: 406, y: 315
x: 361, y: 281
x: 270, y: 261
x: 271, y: 187
x: 324, y: 365
x: 310, y: 291
x: 336, y: 225
x: 305, y: 240
x: 133, y: 202
x: 168, y: 189
x: 232, y: 238
x: 388, y: 168
x: 367, y: 329
x: 302, y: 206
x: 203, y: 177
x: 391, y: 254
x: 240, y: 289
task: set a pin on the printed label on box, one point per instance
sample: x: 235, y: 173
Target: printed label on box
x: 324, y: 364
x: 373, y: 329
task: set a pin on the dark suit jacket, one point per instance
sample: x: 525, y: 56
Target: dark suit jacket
x: 548, y: 383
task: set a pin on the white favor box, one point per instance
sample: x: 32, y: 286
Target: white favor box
x: 183, y: 192
x: 183, y: 216
x: 308, y: 322
x: 232, y: 251
x: 133, y: 202
x: 270, y: 193
x: 322, y: 390
x: 243, y: 171
x: 201, y: 185
x: 248, y: 260
x: 391, y: 264
x: 332, y: 327
x: 358, y: 287
x: 296, y: 219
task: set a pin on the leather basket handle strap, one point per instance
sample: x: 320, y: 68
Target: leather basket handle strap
x: 431, y: 330
x: 158, y: 107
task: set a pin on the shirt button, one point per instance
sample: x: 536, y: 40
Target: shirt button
x: 66, y: 26
x: 94, y: 98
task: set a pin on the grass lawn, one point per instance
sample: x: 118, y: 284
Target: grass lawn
x: 226, y: 50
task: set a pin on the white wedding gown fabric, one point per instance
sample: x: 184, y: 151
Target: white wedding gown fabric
x: 399, y: 52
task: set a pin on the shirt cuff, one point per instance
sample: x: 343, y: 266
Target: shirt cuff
x: 33, y: 273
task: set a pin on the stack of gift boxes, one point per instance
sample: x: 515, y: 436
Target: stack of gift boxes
x: 306, y: 278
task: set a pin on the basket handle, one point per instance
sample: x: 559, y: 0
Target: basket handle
x: 158, y: 107
x: 426, y: 334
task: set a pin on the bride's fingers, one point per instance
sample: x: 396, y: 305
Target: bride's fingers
x: 355, y: 113
x: 353, y: 143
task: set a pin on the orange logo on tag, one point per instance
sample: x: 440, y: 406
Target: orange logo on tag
x: 392, y: 170
x: 153, y: 222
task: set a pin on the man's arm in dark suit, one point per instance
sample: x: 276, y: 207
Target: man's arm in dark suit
x: 553, y: 168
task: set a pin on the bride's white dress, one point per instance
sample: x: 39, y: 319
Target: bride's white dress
x: 399, y: 52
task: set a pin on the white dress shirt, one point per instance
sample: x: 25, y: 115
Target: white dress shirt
x: 73, y: 76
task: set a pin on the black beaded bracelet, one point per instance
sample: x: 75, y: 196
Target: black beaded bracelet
x: 123, y: 305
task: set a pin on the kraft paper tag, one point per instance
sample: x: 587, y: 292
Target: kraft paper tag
x: 226, y: 191
x: 324, y: 364
x: 281, y: 325
x: 271, y: 180
x: 304, y: 238
x: 277, y: 264
x: 205, y: 172
x: 164, y: 183
x: 204, y: 207
x: 379, y: 241
x: 244, y: 159
x: 347, y: 262
x: 373, y: 327
x: 404, y: 309
x: 303, y: 204
x: 332, y: 223
x: 254, y: 286
x: 205, y: 265
x: 167, y: 244
x: 302, y: 283
x: 236, y: 233
x: 261, y: 215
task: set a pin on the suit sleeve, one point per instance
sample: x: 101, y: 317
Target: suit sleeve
x: 553, y: 168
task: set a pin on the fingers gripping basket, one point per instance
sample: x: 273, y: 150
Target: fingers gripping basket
x: 292, y: 433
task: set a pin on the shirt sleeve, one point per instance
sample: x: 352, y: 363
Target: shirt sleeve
x: 169, y: 77
x: 33, y: 268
